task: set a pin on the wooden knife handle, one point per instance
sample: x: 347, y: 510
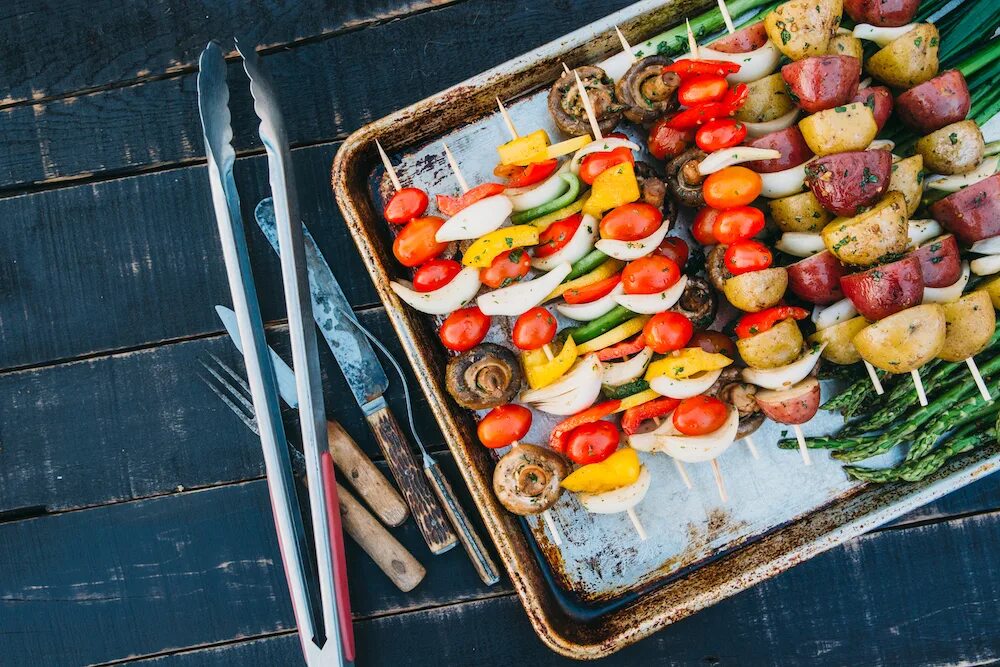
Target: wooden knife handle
x: 392, y: 557
x: 365, y: 477
x: 426, y: 512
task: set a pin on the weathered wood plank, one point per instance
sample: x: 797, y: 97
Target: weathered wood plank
x: 323, y: 94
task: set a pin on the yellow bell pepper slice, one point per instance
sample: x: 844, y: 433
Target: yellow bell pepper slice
x: 612, y: 187
x: 541, y: 372
x: 568, y: 146
x: 616, y: 335
x: 686, y: 363
x: 606, y: 270
x: 485, y: 249
x: 637, y: 399
x: 620, y: 469
x: 543, y: 222
x: 993, y: 289
x: 524, y: 150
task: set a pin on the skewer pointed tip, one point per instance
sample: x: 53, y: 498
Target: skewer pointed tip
x: 388, y: 166
x: 692, y: 43
x: 730, y: 28
x: 803, y: 449
x: 507, y: 120
x: 626, y: 47
x: 637, y: 524
x: 719, y: 482
x: 454, y: 168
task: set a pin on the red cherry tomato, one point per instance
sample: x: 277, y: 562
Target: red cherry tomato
x: 667, y: 331
x: 746, y: 256
x: 415, y: 243
x: 703, y: 227
x: 452, y: 205
x: 732, y: 186
x: 650, y: 274
x: 702, y: 90
x: 592, y: 443
x: 508, y: 267
x: 405, y: 205
x: 534, y: 329
x: 666, y: 142
x: 557, y: 235
x: 714, y: 342
x: 675, y: 248
x: 718, y: 134
x: 503, y: 425
x: 434, y: 274
x: 631, y: 222
x: 738, y: 223
x: 700, y: 415
x: 464, y: 329
x: 593, y: 291
x: 593, y: 164
x: 536, y: 172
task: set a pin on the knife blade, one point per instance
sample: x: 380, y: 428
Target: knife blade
x: 282, y: 372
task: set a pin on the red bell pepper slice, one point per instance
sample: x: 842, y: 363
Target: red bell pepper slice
x: 623, y: 349
x: 536, y: 172
x: 755, y: 323
x: 736, y: 97
x: 688, y: 68
x: 450, y: 205
x: 689, y: 119
x: 658, y: 407
x: 592, y: 292
x: 558, y: 439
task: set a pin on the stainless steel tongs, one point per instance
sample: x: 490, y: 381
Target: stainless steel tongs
x: 323, y: 616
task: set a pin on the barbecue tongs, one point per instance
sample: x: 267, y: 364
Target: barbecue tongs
x: 324, y: 621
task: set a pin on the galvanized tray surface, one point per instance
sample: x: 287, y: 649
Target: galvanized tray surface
x: 604, y: 588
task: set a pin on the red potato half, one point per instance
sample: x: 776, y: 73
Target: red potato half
x: 973, y: 213
x: 845, y: 183
x: 940, y: 262
x: 746, y: 39
x: 879, y: 100
x: 795, y: 405
x: 884, y: 290
x: 817, y: 278
x: 789, y: 142
x: 883, y: 13
x: 822, y: 82
x: 933, y: 104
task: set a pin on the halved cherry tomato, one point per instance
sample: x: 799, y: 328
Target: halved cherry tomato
x: 755, y: 323
x: 450, y: 205
x: 650, y: 274
x: 666, y: 142
x: 405, y: 205
x: 536, y: 172
x: 434, y: 274
x: 557, y: 235
x: 464, y: 329
x: 623, y: 349
x: 667, y: 331
x: 700, y: 415
x: 594, y: 164
x: 718, y: 134
x: 631, y: 222
x: 592, y: 443
x: 503, y: 425
x: 738, y: 223
x: 507, y: 267
x: 593, y: 291
x: 714, y: 342
x: 703, y: 227
x: 558, y: 439
x: 732, y: 186
x: 534, y: 329
x: 702, y: 90
x: 675, y: 248
x: 746, y: 256
x: 415, y: 243
x: 688, y: 68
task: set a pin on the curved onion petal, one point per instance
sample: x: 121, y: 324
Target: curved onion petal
x: 727, y: 157
x: 475, y: 220
x: 754, y: 64
x: 686, y: 387
x: 986, y: 168
x: 521, y: 297
x: 617, y: 374
x: 617, y: 500
x: 535, y: 195
x: 699, y: 448
x: 571, y: 393
x: 785, y: 376
x: 882, y: 145
x: 650, y: 304
x: 951, y: 292
x: 755, y: 130
x: 835, y: 313
x: 629, y: 250
x: 606, y: 144
x: 578, y: 246
x: 986, y: 266
x: 920, y: 231
x: 879, y: 35
x: 800, y: 244
x: 785, y: 183
x: 585, y: 312
x: 646, y: 442
x: 990, y: 246
x: 459, y: 291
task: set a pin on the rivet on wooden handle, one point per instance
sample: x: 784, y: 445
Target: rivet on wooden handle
x: 365, y: 477
x: 427, y: 513
x: 399, y: 565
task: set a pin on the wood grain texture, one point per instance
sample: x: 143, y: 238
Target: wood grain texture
x: 364, y: 476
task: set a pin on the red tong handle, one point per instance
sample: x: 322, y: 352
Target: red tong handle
x: 339, y: 559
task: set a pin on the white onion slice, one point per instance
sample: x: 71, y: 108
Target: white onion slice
x: 990, y: 246
x: 727, y: 157
x: 951, y: 292
x: 835, y: 313
x: 630, y: 250
x: 579, y: 245
x: 646, y: 442
x: 535, y: 195
x: 684, y: 387
x: 785, y: 376
x: 921, y: 231
x: 521, y: 297
x: 571, y: 393
x: 754, y: 64
x: 800, y: 244
x: 606, y: 144
x: 617, y: 500
x: 618, y: 373
x: 475, y: 220
x: 650, y: 304
x: 986, y: 266
x: 865, y: 82
x: 459, y: 291
x: 882, y: 145
x: 879, y: 35
x: 700, y: 448
x: 585, y: 312
x: 986, y: 168
x: 785, y: 183
x: 755, y: 130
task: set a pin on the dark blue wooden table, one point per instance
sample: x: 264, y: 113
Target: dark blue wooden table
x: 134, y: 521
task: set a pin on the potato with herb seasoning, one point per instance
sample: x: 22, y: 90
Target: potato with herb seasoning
x: 756, y: 290
x: 839, y: 340
x: 865, y: 238
x: 846, y: 44
x: 907, y: 178
x: 850, y: 127
x: 767, y: 99
x: 907, y: 60
x: 799, y: 213
x: 954, y: 149
x: 777, y: 346
x: 904, y: 341
x: 803, y: 28
x: 969, y: 324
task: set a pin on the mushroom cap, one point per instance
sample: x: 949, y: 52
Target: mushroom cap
x: 484, y: 377
x: 567, y: 108
x: 646, y: 91
x: 683, y: 178
x: 698, y: 302
x: 527, y: 479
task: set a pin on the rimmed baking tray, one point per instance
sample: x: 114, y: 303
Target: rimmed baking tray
x: 603, y: 588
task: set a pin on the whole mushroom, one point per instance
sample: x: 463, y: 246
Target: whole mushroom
x: 646, y: 91
x: 653, y: 190
x: 567, y: 108
x: 486, y: 376
x: 698, y: 302
x: 684, y: 179
x: 731, y: 389
x: 527, y: 479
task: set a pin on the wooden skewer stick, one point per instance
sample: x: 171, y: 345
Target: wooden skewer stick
x: 752, y: 447
x: 454, y: 167
x: 625, y: 45
x: 506, y: 120
x: 919, y: 384
x: 873, y: 376
x: 637, y: 524
x: 730, y: 28
x: 547, y: 349
x: 550, y: 523
x: 566, y: 67
x: 681, y: 470
x: 719, y: 482
x: 978, y: 377
x: 806, y: 459
x: 588, y: 107
x: 388, y: 167
x: 692, y: 44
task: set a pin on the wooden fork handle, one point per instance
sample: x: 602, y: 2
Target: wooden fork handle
x: 365, y: 477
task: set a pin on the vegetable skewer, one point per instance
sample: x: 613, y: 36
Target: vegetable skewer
x: 681, y: 470
x: 588, y: 107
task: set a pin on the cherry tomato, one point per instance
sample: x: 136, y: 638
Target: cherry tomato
x: 557, y: 235
x: 667, y: 331
x: 714, y: 342
x: 736, y: 97
x: 650, y: 274
x: 718, y: 134
x: 434, y: 274
x: 452, y: 205
x: 536, y: 172
x: 738, y: 223
x: 464, y: 329
x: 631, y: 222
x: 666, y: 142
x: 746, y: 256
x: 593, y: 291
x: 593, y: 164
x: 416, y: 244
x: 534, y: 329
x: 592, y: 443
x: 732, y: 186
x: 675, y: 248
x: 507, y: 267
x: 405, y: 205
x: 503, y: 425
x: 700, y: 415
x: 702, y: 90
x: 703, y: 227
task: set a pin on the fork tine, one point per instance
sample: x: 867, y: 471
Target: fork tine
x: 250, y: 422
x: 245, y: 406
x: 240, y: 382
